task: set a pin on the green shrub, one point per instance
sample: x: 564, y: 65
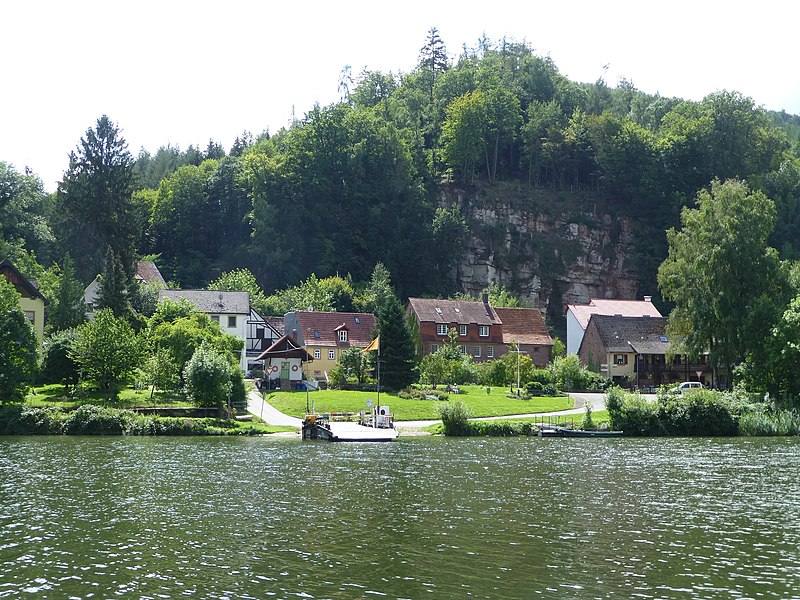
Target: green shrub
x: 500, y: 428
x: 90, y: 419
x: 208, y: 376
x: 703, y: 412
x: 455, y: 417
x: 416, y: 394
x: 762, y: 422
x: 549, y: 390
x: 543, y: 376
x: 534, y: 388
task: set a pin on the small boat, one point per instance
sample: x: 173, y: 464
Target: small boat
x: 590, y: 433
x: 546, y: 430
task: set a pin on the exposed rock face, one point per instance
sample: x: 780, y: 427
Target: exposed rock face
x: 550, y: 257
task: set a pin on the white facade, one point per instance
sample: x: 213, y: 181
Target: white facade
x: 230, y: 309
x: 574, y: 333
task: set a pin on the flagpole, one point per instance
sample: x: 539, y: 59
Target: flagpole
x: 378, y: 408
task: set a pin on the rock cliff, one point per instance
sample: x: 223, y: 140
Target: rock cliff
x: 552, y: 249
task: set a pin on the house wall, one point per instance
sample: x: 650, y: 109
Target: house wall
x: 593, y: 354
x: 428, y: 338
x: 238, y: 331
x: 34, y: 307
x: 574, y: 333
x: 273, y: 368
x: 540, y: 355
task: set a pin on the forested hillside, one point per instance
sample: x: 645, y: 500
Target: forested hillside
x: 373, y: 178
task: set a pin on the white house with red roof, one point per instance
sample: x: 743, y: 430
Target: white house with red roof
x: 578, y: 315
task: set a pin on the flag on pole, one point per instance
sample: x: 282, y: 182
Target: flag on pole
x: 374, y: 345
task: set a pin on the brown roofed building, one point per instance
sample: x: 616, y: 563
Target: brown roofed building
x: 634, y: 351
x: 31, y: 300
x: 480, y: 328
x: 326, y: 334
x: 526, y: 327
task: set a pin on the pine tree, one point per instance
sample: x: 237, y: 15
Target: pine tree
x: 397, y: 353
x: 114, y: 284
x: 67, y: 308
x: 93, y: 201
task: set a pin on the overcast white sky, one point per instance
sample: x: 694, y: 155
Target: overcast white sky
x: 181, y: 72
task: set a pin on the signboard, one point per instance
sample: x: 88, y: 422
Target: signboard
x: 369, y: 403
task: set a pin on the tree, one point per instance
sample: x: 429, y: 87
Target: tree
x: 57, y: 364
x: 107, y: 350
x: 94, y: 208
x: 208, y: 376
x: 397, y: 347
x: 67, y: 308
x: 242, y: 280
x: 114, y: 285
x: 465, y: 132
x: 433, y: 368
x: 161, y: 371
x: 722, y: 275
x: 353, y: 363
x: 17, y: 346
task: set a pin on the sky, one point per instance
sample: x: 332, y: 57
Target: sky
x: 183, y: 72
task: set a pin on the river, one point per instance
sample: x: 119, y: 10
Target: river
x: 417, y: 518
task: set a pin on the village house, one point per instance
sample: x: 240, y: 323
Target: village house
x: 32, y: 302
x: 634, y: 351
x: 283, y: 363
x: 482, y: 331
x: 261, y: 334
x: 325, y: 335
x: 231, y: 310
x: 146, y: 272
x: 578, y: 315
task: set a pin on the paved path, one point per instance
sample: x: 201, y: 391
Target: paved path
x: 273, y: 416
x: 270, y: 414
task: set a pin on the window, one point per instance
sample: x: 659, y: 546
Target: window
x: 462, y: 330
x: 477, y: 352
x: 31, y: 316
x: 441, y: 329
x: 463, y: 349
x: 434, y: 348
x: 489, y: 351
x: 215, y: 318
x: 332, y: 354
x: 343, y: 335
x: 483, y: 330
x: 231, y: 321
x: 317, y: 354
x: 620, y: 359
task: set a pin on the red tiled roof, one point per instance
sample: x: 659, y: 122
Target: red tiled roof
x: 602, y: 306
x: 276, y: 322
x: 148, y: 271
x: 360, y: 327
x: 453, y: 311
x: 524, y: 326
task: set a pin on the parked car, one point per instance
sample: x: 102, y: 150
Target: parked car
x: 686, y: 386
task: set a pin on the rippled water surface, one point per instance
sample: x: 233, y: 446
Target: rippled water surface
x: 418, y: 518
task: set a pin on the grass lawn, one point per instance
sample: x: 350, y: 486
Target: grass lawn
x: 496, y: 403
x: 53, y: 395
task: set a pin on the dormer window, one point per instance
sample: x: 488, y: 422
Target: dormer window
x: 343, y: 335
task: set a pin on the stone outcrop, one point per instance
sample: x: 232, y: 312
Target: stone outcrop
x: 551, y: 255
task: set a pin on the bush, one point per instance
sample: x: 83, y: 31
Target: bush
x: 415, y: 394
x: 208, y: 376
x: 543, y: 376
x: 549, y: 390
x: 704, y: 412
x: 90, y: 419
x: 455, y: 417
x: 534, y: 388
x: 500, y: 428
x: 761, y: 422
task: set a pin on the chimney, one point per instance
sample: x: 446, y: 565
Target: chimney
x: 294, y: 334
x: 648, y: 298
x: 485, y: 298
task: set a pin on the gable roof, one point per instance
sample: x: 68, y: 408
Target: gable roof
x: 23, y: 285
x: 603, y: 306
x: 146, y: 270
x: 285, y: 347
x: 276, y: 323
x: 643, y: 335
x: 321, y: 328
x: 212, y: 301
x: 463, y: 312
x: 524, y: 326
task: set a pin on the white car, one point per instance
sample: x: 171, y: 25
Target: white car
x: 686, y: 386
